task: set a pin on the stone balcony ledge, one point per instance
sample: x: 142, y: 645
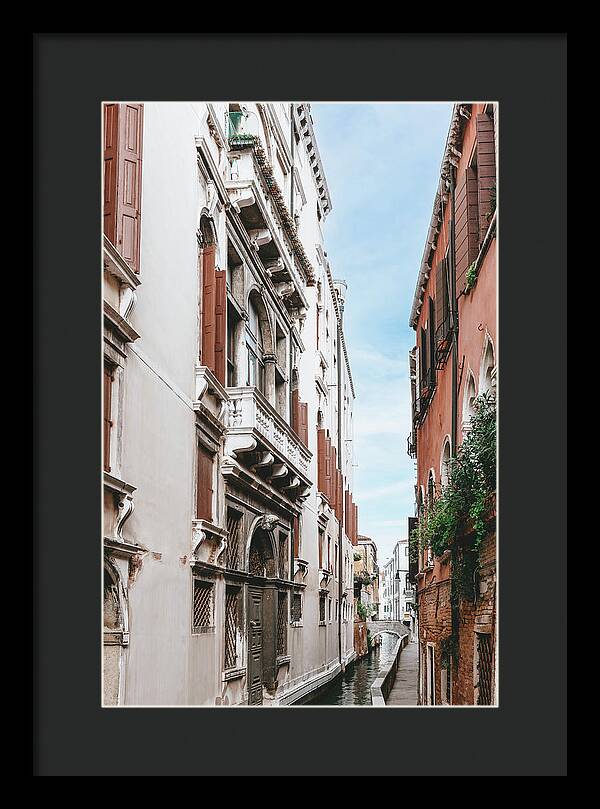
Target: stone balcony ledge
x: 253, y: 425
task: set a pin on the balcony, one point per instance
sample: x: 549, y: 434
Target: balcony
x: 411, y: 443
x: 259, y: 438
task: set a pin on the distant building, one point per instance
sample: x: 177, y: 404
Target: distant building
x: 398, y: 599
x: 366, y: 576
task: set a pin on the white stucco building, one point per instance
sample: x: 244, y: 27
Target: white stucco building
x: 227, y: 405
x: 398, y: 593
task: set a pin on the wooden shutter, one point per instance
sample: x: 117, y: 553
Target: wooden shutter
x: 355, y: 525
x: 328, y: 471
x: 321, y: 460
x: 208, y: 306
x: 295, y: 420
x: 333, y: 498
x: 204, y: 482
x: 432, y: 346
x: 442, y: 319
x: 108, y: 381
x: 340, y: 495
x: 111, y: 160
x: 467, y: 227
x: 129, y: 183
x: 486, y: 169
x: 347, y: 520
x: 303, y: 426
x: 220, y: 324
x: 296, y: 533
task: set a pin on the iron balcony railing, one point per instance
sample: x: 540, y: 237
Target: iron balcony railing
x: 411, y: 445
x: 443, y: 342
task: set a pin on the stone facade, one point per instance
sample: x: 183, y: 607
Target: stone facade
x: 228, y: 549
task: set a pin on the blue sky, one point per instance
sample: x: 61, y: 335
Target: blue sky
x: 382, y: 166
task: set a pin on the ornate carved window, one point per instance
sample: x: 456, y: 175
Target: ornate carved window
x: 203, y: 607
x: 234, y: 526
x: 282, y: 620
x: 232, y: 597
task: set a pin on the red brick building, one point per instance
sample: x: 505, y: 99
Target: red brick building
x: 453, y: 363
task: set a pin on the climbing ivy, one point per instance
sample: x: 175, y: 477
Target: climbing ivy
x: 472, y: 479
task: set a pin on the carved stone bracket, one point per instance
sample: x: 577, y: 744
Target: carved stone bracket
x: 279, y: 470
x: 300, y: 567
x: 265, y: 459
x: 238, y: 443
x: 125, y: 506
x: 268, y: 522
x: 208, y: 541
x: 325, y: 577
x: 259, y: 236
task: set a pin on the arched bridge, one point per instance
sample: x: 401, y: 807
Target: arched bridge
x: 396, y: 627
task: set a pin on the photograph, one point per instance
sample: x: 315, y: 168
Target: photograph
x: 299, y: 400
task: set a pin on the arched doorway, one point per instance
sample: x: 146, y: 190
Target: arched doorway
x: 262, y: 614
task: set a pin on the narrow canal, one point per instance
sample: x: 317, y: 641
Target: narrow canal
x: 354, y: 686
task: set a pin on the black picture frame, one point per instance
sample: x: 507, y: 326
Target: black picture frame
x: 72, y: 74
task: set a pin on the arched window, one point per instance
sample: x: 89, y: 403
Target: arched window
x: 487, y: 372
x: 430, y: 488
x: 254, y: 343
x: 468, y: 402
x: 445, y: 464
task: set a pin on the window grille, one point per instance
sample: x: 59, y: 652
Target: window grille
x: 202, y: 620
x: 231, y: 622
x: 322, y: 609
x: 484, y: 669
x: 296, y: 608
x: 281, y: 624
x: 234, y: 524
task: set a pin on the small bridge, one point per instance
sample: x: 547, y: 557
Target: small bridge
x: 395, y: 627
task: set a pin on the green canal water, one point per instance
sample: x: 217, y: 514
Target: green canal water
x: 354, y: 686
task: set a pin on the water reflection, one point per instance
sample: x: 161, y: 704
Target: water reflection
x: 354, y: 686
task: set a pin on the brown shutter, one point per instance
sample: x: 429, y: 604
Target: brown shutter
x: 333, y: 498
x: 296, y: 532
x: 220, y: 324
x: 304, y: 423
x: 295, y: 420
x: 486, y: 169
x: 129, y: 183
x: 467, y: 226
x: 347, y: 519
x: 208, y: 306
x: 340, y: 495
x: 111, y: 155
x: 442, y: 304
x: 108, y: 380
x: 356, y: 525
x: 321, y: 460
x: 204, y: 482
x: 431, y: 326
x: 328, y: 468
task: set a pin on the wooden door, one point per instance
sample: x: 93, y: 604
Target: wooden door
x: 255, y: 642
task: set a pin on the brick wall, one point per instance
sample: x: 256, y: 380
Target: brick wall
x: 435, y: 625
x: 478, y: 617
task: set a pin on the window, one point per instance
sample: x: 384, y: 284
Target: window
x: 234, y: 524
x: 322, y: 609
x: 254, y: 342
x: 123, y: 128
x: 108, y: 387
x: 204, y: 495
x: 232, y: 327
x: 484, y: 668
x: 468, y: 402
x: 487, y: 373
x: 321, y: 547
x: 284, y: 551
x: 282, y: 620
x: 232, y: 600
x: 297, y: 608
x: 202, y: 615
x: 329, y: 610
x: 445, y: 464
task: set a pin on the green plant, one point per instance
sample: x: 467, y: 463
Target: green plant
x: 362, y: 610
x: 462, y: 504
x: 471, y: 277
